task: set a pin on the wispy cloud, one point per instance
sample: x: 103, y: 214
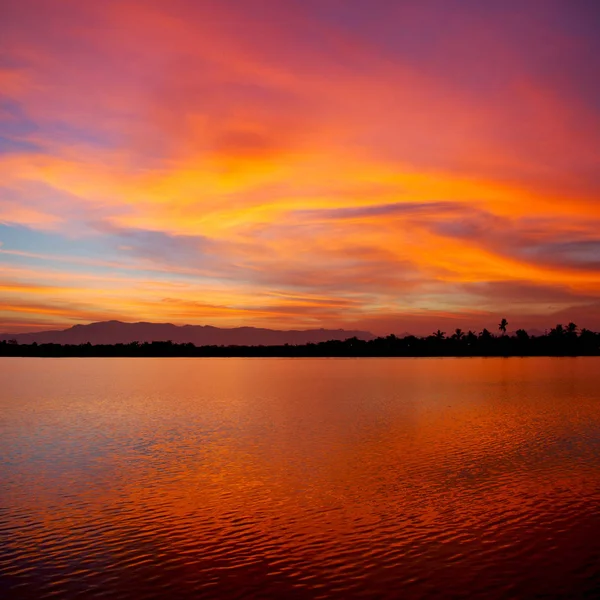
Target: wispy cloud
x: 226, y: 162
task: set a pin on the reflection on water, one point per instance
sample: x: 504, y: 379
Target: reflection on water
x: 225, y: 478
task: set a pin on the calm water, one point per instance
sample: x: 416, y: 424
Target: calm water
x: 302, y: 478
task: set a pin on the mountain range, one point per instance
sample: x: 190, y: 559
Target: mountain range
x: 117, y: 332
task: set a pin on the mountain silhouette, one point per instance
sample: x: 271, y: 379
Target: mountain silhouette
x: 117, y: 332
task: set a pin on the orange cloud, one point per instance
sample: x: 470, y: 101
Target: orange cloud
x: 239, y: 161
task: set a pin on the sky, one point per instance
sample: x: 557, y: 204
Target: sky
x: 389, y: 165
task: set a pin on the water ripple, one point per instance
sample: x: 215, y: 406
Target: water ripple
x: 300, y: 479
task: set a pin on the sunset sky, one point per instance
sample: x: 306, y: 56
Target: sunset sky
x: 386, y: 165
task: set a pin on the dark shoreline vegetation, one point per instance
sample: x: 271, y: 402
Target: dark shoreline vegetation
x: 559, y: 341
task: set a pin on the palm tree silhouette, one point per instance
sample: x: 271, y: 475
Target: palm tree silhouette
x: 439, y: 334
x: 502, y: 326
x: 458, y: 334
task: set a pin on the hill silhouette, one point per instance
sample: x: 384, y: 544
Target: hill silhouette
x: 559, y: 341
x: 117, y: 332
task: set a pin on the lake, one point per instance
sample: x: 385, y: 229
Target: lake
x: 299, y: 478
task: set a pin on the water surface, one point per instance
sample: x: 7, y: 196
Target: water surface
x: 299, y: 478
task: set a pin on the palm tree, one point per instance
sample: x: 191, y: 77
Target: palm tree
x: 458, y: 334
x: 439, y: 334
x: 502, y: 326
x: 572, y: 329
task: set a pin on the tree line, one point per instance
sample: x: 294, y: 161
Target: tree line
x: 561, y: 340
